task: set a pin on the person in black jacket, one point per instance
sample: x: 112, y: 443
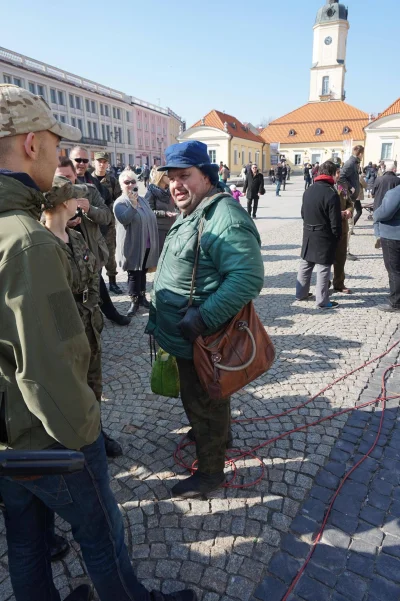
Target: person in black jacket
x: 349, y: 177
x: 383, y: 184
x: 254, y: 186
x: 322, y: 229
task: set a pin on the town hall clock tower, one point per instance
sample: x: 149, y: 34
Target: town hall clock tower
x: 329, y: 53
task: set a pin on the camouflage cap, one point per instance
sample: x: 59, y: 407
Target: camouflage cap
x: 22, y: 112
x: 63, y: 190
x: 102, y: 155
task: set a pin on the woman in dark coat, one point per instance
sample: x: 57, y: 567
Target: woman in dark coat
x: 253, y: 187
x: 307, y: 176
x: 322, y: 229
x: 159, y: 198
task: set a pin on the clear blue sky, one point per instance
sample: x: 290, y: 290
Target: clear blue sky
x: 250, y: 59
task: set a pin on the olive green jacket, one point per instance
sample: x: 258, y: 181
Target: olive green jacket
x: 98, y: 214
x: 230, y: 271
x: 44, y: 352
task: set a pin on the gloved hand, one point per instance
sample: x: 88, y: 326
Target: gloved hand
x: 192, y: 325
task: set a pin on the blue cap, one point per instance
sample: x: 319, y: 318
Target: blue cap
x: 187, y: 154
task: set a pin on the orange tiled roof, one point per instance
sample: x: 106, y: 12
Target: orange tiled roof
x: 217, y: 119
x: 391, y: 110
x: 331, y: 117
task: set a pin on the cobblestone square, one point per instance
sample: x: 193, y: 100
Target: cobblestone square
x: 249, y: 543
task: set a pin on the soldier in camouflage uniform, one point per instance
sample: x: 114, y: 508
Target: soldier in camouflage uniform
x: 85, y: 277
x: 101, y: 162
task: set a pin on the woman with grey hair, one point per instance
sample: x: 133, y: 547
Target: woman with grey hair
x: 137, y: 238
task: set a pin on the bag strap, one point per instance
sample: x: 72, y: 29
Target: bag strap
x: 196, y: 261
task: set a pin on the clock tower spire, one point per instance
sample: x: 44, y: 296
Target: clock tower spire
x: 329, y: 53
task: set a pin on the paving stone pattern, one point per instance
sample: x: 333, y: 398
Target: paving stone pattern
x: 243, y: 544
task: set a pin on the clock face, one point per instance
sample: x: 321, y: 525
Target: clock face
x: 328, y: 40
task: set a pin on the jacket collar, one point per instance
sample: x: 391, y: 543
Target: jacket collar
x: 16, y: 196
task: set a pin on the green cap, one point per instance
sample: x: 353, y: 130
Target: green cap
x: 102, y: 155
x: 63, y: 190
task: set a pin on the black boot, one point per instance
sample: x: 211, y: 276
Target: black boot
x: 198, y: 484
x: 143, y: 302
x: 59, y: 547
x: 134, y: 306
x: 113, y: 448
x: 113, y: 286
x: 84, y: 592
x: 229, y: 443
x: 108, y: 308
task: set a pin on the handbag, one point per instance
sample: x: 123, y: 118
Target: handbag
x: 235, y: 355
x: 165, y: 375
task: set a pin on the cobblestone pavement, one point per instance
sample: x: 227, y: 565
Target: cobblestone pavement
x: 243, y: 544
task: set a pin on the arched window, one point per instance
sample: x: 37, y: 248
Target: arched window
x: 346, y: 129
x: 318, y: 131
x: 292, y: 132
x: 325, y: 85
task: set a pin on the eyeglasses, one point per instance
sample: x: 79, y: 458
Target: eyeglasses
x: 79, y: 161
x: 130, y: 181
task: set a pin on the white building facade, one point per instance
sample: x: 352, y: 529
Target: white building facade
x: 131, y: 130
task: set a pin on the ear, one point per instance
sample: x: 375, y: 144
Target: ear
x: 32, y: 145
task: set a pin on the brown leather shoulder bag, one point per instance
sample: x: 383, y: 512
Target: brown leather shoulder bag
x: 237, y: 354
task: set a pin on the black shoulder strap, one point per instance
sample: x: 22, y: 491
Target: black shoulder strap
x: 196, y: 261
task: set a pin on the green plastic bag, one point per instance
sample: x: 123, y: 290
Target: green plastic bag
x: 165, y: 375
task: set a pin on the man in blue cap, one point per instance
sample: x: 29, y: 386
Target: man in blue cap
x: 229, y: 274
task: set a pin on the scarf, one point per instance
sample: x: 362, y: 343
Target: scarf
x: 159, y: 193
x: 325, y: 178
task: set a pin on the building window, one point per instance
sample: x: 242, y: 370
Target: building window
x: 32, y: 87
x: 346, y: 129
x: 213, y: 155
x: 89, y: 128
x: 41, y: 92
x: 292, y: 132
x: 108, y: 133
x: 386, y: 152
x: 249, y: 156
x: 61, y: 98
x: 116, y: 113
x: 297, y: 159
x: 235, y: 156
x: 106, y: 110
x: 73, y: 121
x: 139, y: 125
x: 147, y: 142
x: 128, y: 135
x: 153, y: 143
x: 71, y: 101
x: 63, y: 119
x: 95, y: 131
x: 257, y: 159
x: 164, y: 131
x: 103, y: 131
x: 120, y: 135
x: 93, y: 107
x: 87, y: 105
x: 101, y: 109
x: 325, y: 85
x: 140, y: 141
x: 146, y: 127
x: 153, y: 129
x: 53, y: 96
x: 318, y: 131
x: 7, y: 78
x: 56, y: 117
x: 128, y: 118
x: 78, y: 104
x: 80, y: 124
x: 17, y: 82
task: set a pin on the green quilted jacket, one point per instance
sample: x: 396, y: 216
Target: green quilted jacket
x: 230, y: 271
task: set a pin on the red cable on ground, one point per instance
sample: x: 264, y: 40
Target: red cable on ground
x: 251, y: 453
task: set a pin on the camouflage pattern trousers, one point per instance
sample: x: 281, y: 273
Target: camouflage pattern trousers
x: 210, y: 419
x: 111, y: 241
x: 93, y: 322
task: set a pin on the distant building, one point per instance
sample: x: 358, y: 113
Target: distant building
x: 229, y: 140
x: 326, y: 127
x: 382, y: 141
x: 132, y: 130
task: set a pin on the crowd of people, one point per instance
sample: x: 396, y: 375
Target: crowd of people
x: 62, y: 221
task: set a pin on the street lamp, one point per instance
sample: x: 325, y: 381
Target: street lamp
x: 115, y: 136
x: 160, y: 141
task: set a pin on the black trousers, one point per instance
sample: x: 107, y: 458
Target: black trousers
x: 137, y: 279
x: 391, y: 257
x: 106, y: 304
x: 358, y: 208
x: 255, y: 205
x: 209, y: 419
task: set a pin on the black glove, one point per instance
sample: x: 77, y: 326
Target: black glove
x: 192, y: 325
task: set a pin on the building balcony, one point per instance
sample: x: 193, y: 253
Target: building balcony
x: 93, y: 141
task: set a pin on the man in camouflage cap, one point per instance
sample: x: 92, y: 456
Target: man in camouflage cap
x: 101, y: 163
x: 44, y: 358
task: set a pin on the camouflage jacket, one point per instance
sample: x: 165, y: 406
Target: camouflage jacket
x: 112, y: 185
x: 85, y: 277
x: 98, y: 214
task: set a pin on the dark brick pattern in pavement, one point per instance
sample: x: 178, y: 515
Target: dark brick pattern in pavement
x: 358, y: 558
